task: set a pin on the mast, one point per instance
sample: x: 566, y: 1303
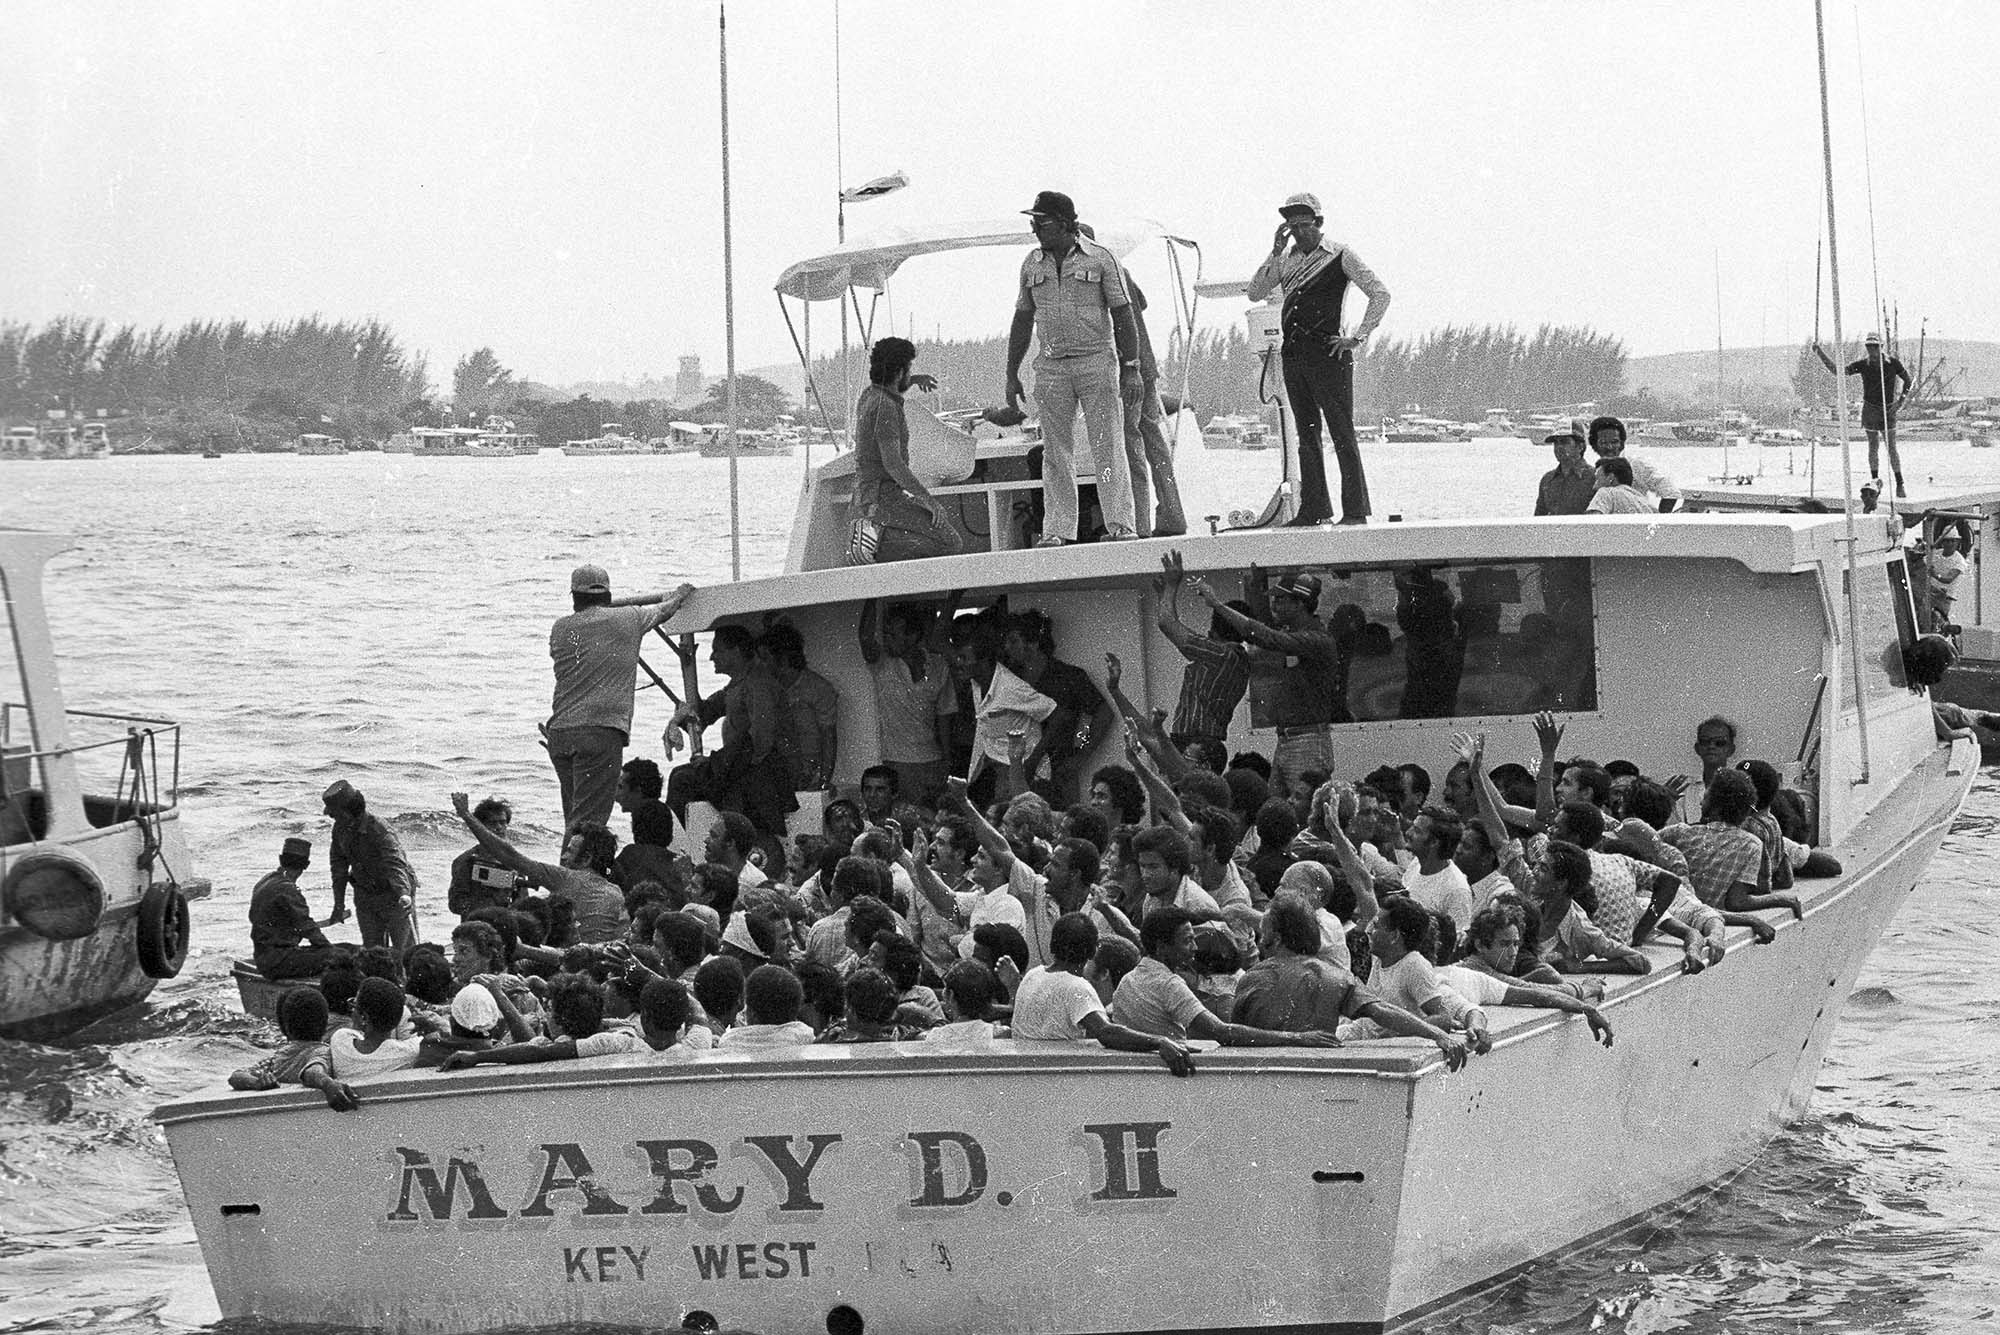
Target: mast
x: 729, y: 302
x: 1840, y: 392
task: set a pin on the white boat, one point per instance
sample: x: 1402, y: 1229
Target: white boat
x: 57, y: 440
x: 403, y: 442
x: 611, y: 439
x: 751, y: 443
x: 314, y: 443
x: 94, y: 871
x: 448, y: 442
x: 906, y: 1188
x: 505, y: 444
x: 1237, y: 431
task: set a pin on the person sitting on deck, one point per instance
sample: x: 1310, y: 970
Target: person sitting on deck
x: 1495, y: 936
x: 1630, y: 893
x: 479, y: 952
x: 896, y: 517
x: 1479, y: 860
x: 870, y: 1012
x: 581, y: 878
x: 1569, y: 939
x: 1800, y: 859
x: 1056, y: 1001
x: 578, y: 1029
x: 718, y: 991
x: 477, y: 881
x: 915, y: 703
x: 1715, y: 746
x: 812, y: 705
x: 1292, y: 989
x: 1332, y: 901
x: 772, y: 998
x: 1116, y: 791
x: 1166, y: 862
x: 1218, y: 664
x: 472, y: 1015
x: 1405, y: 977
x: 1607, y: 438
x: 303, y: 1060
x: 1725, y: 861
x: 285, y: 941
x: 1616, y: 495
x: 1277, y: 825
x: 1154, y: 998
x: 970, y: 993
x: 1435, y: 880
x: 670, y: 1023
x: 371, y: 1048
x: 755, y: 769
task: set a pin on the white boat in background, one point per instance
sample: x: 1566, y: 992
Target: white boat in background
x: 95, y: 876
x: 449, y: 442
x: 682, y: 438
x: 403, y: 442
x: 314, y: 443
x: 751, y: 443
x: 611, y: 439
x: 57, y: 440
x: 1238, y: 431
x: 505, y: 444
x: 918, y: 1188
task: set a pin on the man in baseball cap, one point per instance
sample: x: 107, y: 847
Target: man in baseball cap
x: 595, y: 650
x: 1318, y: 357
x: 1072, y: 290
x: 1567, y: 488
x: 1311, y: 690
x: 1878, y: 406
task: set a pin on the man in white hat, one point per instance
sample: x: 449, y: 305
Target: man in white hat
x: 1318, y: 356
x: 1878, y: 410
x: 596, y: 654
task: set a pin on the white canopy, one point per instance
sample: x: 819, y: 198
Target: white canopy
x: 871, y: 261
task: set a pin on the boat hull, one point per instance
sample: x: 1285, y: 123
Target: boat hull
x: 51, y: 988
x: 1035, y: 1187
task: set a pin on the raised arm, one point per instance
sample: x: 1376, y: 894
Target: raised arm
x: 499, y: 849
x: 916, y: 861
x: 1358, y: 876
x: 1548, y: 733
x: 1172, y: 764
x: 1166, y: 804
x: 958, y: 798
x: 1167, y: 592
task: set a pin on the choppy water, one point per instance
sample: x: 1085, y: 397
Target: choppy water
x: 384, y: 618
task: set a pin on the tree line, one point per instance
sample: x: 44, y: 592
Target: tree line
x: 1447, y: 372
x: 215, y: 382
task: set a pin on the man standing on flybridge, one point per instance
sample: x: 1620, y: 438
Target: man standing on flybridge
x: 1318, y: 358
x: 1072, y: 290
x: 1878, y: 410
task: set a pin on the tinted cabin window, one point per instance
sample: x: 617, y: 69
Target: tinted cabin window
x: 1439, y: 641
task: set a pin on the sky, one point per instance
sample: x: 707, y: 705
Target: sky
x: 545, y: 179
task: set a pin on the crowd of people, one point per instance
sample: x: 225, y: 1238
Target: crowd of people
x: 1188, y: 897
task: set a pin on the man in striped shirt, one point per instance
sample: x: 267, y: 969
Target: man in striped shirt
x: 1318, y: 357
x: 1218, y: 663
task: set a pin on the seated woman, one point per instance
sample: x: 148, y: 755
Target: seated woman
x: 895, y: 516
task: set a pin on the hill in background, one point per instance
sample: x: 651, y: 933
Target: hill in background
x: 1691, y: 375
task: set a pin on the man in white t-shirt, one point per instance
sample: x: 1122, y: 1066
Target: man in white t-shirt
x: 1479, y: 861
x: 772, y: 999
x: 1057, y: 1002
x: 1436, y: 882
x: 1166, y: 865
x: 1154, y: 998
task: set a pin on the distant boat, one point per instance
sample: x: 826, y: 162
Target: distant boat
x: 610, y: 439
x: 505, y: 444
x: 751, y: 443
x: 403, y: 442
x: 313, y: 443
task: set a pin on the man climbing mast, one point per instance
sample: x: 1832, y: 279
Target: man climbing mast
x: 1318, y: 358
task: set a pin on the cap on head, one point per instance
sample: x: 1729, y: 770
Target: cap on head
x: 1303, y: 202
x: 341, y: 794
x: 1562, y: 433
x: 474, y: 1008
x: 1873, y: 337
x: 1301, y: 586
x: 296, y: 850
x: 589, y: 579
x: 1053, y: 204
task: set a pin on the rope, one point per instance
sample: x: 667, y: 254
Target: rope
x: 1840, y: 345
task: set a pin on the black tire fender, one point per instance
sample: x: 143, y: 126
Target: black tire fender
x: 55, y: 894
x: 164, y: 928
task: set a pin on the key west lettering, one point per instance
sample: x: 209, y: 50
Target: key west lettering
x: 673, y: 1180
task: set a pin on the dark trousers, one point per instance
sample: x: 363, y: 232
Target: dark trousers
x: 1321, y: 385
x: 727, y: 781
x: 586, y: 762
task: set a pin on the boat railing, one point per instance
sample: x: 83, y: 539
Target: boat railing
x: 123, y: 775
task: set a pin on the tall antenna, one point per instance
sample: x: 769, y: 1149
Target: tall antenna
x: 729, y: 302
x: 1840, y: 398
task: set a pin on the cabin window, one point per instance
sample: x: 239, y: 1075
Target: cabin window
x: 1887, y: 625
x: 1439, y: 641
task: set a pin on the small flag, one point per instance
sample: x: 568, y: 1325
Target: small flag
x: 875, y: 189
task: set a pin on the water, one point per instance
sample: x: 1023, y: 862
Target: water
x: 385, y: 618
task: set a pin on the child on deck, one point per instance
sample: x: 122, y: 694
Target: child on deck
x: 302, y: 1016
